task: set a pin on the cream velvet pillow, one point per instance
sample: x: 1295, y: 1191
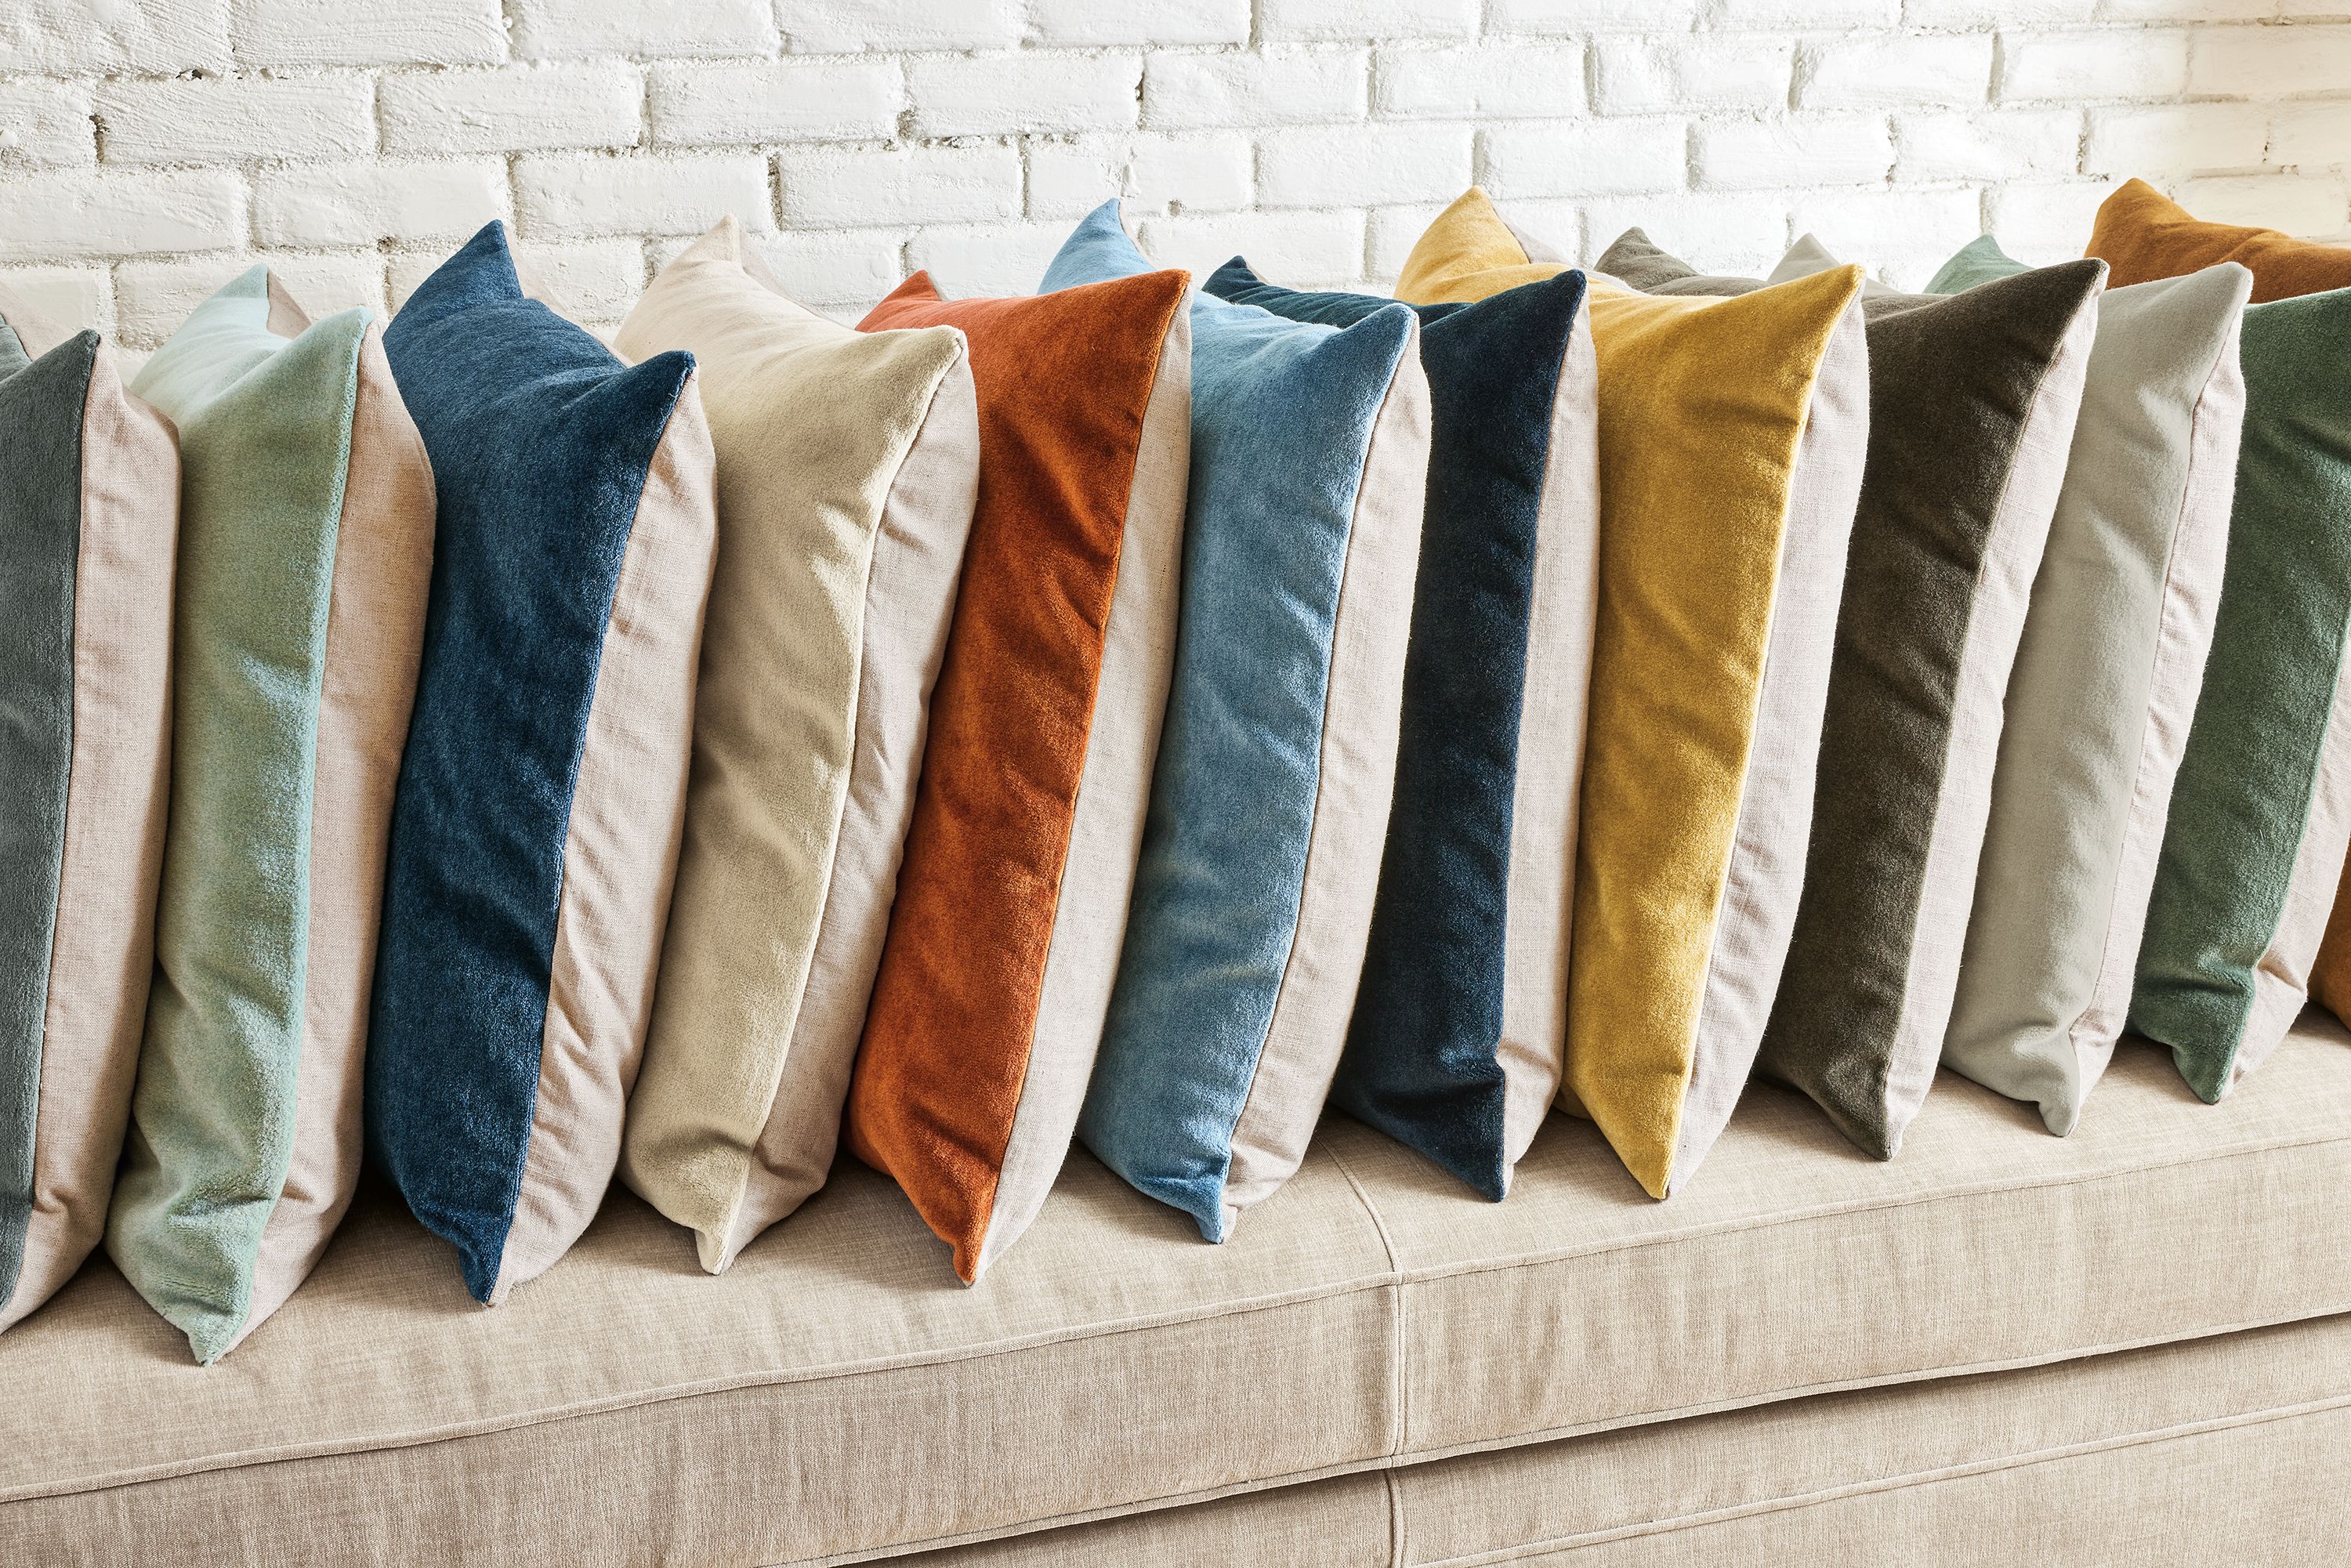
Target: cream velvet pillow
x: 848, y: 465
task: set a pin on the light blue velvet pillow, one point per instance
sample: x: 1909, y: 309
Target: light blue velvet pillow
x: 1277, y: 764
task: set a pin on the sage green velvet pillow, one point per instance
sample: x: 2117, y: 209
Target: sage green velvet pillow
x: 2105, y: 686
x: 2262, y: 813
x: 305, y: 537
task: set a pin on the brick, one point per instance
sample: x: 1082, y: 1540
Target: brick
x: 233, y: 119
x: 1808, y: 15
x: 1762, y: 155
x: 844, y: 267
x: 280, y: 34
x: 2176, y: 137
x: 107, y: 37
x: 1183, y: 92
x: 359, y: 204
x: 2177, y: 12
x: 1019, y: 94
x: 1730, y: 234
x: 1580, y: 18
x: 2109, y: 63
x: 1899, y: 236
x: 1313, y: 166
x: 2315, y: 134
x: 2314, y: 205
x: 594, y: 282
x: 1905, y: 72
x: 1086, y: 23
x: 104, y: 212
x: 1303, y: 19
x: 1662, y: 75
x: 996, y: 259
x: 1584, y: 157
x: 1461, y: 84
x: 561, y: 197
x: 2271, y: 62
x: 45, y: 123
x: 577, y: 29
x: 1989, y: 144
x: 1393, y: 231
x: 67, y: 299
x: 1959, y: 15
x: 2045, y: 223
x: 519, y: 108
x: 726, y: 105
x: 853, y: 26
x: 828, y: 189
x: 1301, y: 247
x: 153, y: 298
x: 1185, y: 173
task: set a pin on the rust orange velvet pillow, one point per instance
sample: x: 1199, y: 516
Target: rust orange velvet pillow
x: 2142, y: 235
x: 1011, y: 900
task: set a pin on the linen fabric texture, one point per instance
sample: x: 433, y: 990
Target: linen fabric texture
x: 2261, y: 813
x: 1458, y: 1035
x: 1731, y: 434
x: 89, y: 525
x: 2103, y: 688
x: 534, y: 836
x: 306, y: 534
x: 1269, y: 797
x: 2142, y: 235
x: 848, y: 464
x: 1973, y: 401
x: 1003, y: 941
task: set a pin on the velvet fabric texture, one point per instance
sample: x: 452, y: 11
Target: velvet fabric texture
x: 2262, y: 811
x: 1973, y: 401
x: 848, y: 465
x: 88, y: 526
x: 988, y: 1007
x: 2142, y: 235
x: 536, y: 830
x: 306, y: 525
x: 2105, y: 686
x: 1730, y: 443
x: 1482, y: 835
x: 1271, y: 796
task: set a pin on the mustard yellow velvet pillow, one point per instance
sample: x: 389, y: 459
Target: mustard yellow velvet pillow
x: 1720, y: 577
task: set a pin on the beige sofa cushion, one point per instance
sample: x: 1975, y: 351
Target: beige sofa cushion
x: 1373, y: 1313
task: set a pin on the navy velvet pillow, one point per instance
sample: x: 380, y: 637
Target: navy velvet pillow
x: 1457, y: 1042
x: 536, y: 830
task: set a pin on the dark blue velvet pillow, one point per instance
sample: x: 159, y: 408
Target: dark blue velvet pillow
x: 536, y: 830
x: 1458, y: 1039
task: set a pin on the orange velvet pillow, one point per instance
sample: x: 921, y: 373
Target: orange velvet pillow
x: 1012, y: 899
x: 2142, y: 235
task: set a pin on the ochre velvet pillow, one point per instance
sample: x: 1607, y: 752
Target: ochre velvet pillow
x: 1718, y: 599
x: 2142, y: 235
x: 1004, y: 937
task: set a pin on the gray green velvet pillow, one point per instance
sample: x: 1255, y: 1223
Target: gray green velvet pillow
x: 2105, y: 686
x: 2260, y: 815
x: 89, y: 530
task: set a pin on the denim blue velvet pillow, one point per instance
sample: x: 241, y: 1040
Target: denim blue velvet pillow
x: 1269, y: 797
x: 1459, y: 1030
x: 535, y: 830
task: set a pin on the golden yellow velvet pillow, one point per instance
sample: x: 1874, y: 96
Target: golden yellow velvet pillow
x: 1720, y: 577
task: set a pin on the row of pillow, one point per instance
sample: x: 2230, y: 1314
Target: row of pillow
x: 969, y: 798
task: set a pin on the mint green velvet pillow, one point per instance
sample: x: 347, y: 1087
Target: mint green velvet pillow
x: 305, y: 544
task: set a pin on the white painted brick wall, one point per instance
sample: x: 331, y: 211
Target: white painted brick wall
x: 152, y: 149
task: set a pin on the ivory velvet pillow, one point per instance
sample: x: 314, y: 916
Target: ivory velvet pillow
x: 1309, y: 451
x: 2144, y: 235
x: 536, y: 833
x: 89, y: 529
x: 1003, y: 939
x: 2105, y: 685
x: 2262, y: 811
x: 305, y: 537
x: 847, y: 467
x: 1728, y: 459
x: 1458, y: 1035
x: 1973, y: 400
